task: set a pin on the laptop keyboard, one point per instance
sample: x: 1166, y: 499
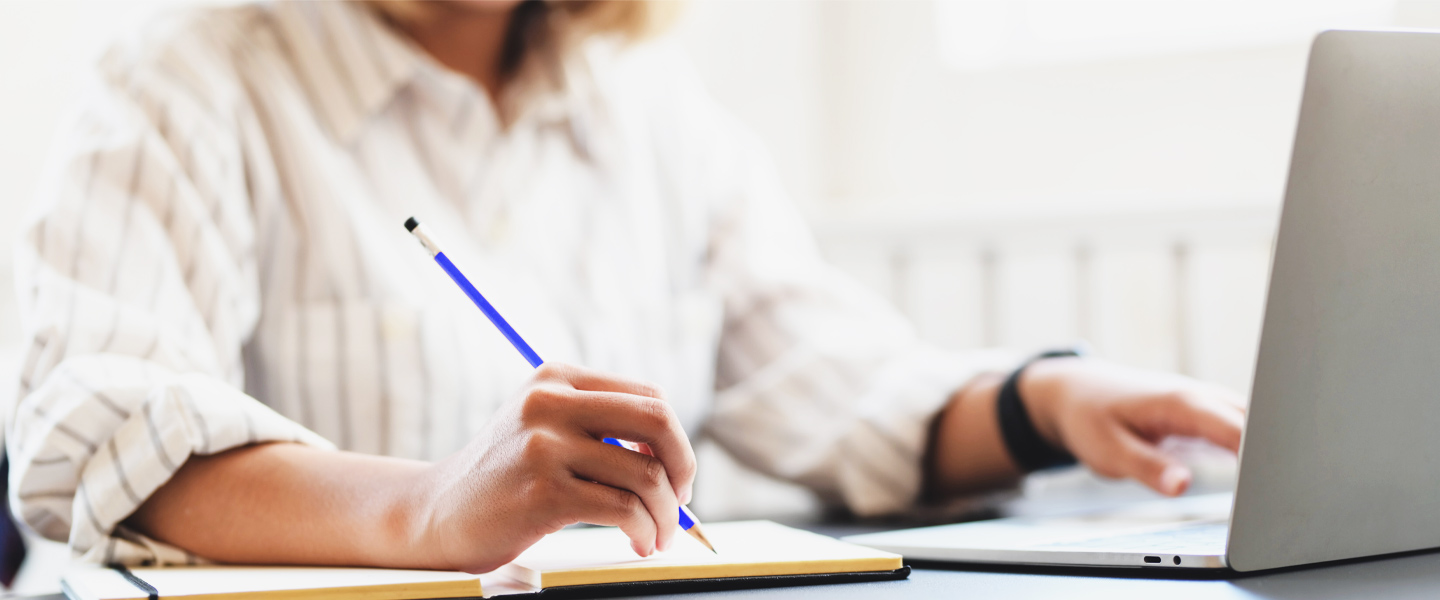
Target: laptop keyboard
x: 1198, y: 539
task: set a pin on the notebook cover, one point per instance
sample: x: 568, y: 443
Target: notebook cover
x: 676, y: 586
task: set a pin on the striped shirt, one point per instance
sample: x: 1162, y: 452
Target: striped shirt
x: 217, y: 259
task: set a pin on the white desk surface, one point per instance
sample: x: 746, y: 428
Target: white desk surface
x: 1411, y: 576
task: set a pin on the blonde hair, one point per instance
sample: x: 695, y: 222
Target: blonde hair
x: 632, y: 20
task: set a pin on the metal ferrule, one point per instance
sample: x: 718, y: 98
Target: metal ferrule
x: 426, y: 239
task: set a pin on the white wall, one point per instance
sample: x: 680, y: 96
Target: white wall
x: 863, y: 114
x: 1213, y: 126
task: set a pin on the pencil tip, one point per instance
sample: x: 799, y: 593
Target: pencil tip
x: 699, y: 536
x: 411, y: 224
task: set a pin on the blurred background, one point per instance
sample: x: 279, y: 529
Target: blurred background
x: 1020, y: 173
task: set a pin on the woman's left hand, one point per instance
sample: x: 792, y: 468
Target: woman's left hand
x: 1112, y: 417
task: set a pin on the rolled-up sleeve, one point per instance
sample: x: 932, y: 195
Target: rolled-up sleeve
x: 138, y: 289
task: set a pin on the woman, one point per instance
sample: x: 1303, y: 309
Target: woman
x: 218, y: 292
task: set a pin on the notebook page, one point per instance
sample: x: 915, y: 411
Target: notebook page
x: 745, y: 549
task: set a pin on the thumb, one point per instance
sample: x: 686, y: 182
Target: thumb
x: 1145, y: 463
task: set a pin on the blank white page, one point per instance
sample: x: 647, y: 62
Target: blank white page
x: 745, y: 549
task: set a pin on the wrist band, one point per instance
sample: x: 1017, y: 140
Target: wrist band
x: 1029, y: 450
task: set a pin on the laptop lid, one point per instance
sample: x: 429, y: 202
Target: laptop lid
x: 1341, y: 452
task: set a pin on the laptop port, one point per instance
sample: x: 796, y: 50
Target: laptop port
x: 1177, y: 561
x: 1152, y: 559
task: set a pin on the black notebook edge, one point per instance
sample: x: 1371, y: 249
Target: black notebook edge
x: 679, y: 586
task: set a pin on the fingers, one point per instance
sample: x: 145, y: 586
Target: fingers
x: 582, y: 378
x: 1142, y: 461
x: 599, y: 504
x: 1232, y: 399
x: 1180, y: 414
x: 1113, y: 417
x: 1185, y: 415
x: 646, y: 420
x: 638, y: 473
x: 604, y: 405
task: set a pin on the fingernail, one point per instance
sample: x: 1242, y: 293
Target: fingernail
x: 1174, y: 479
x: 685, y: 496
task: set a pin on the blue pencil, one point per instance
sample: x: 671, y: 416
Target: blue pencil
x: 688, y: 522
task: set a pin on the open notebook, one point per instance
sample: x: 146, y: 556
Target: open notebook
x: 751, y: 554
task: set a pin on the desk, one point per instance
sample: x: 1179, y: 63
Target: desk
x: 1412, y: 576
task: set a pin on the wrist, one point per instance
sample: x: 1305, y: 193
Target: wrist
x: 402, y: 517
x: 966, y: 453
x: 1041, y: 391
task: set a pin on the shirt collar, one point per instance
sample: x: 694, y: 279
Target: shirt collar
x: 350, y: 63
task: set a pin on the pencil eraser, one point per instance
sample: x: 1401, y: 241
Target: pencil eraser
x: 411, y: 224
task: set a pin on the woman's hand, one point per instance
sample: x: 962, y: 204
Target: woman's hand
x: 1112, y: 418
x: 541, y: 465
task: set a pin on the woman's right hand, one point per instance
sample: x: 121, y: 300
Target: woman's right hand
x: 541, y: 465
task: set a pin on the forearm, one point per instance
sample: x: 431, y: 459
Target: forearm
x: 292, y: 504
x: 539, y: 466
x: 967, y: 453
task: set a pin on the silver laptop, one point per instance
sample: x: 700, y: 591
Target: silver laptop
x: 1341, y: 453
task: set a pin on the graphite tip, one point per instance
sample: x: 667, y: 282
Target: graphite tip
x: 411, y: 224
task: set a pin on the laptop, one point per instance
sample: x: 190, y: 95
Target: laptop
x: 1340, y: 457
